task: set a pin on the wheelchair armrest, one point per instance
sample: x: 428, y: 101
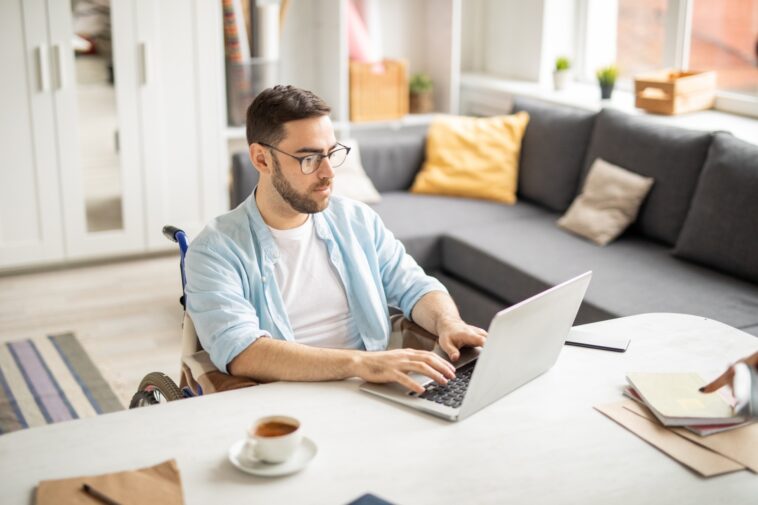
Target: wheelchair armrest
x: 416, y: 337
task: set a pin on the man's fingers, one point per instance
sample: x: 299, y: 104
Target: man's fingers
x: 721, y: 381
x: 436, y: 362
x: 402, y: 379
x: 427, y: 371
x: 450, y: 349
x: 474, y: 340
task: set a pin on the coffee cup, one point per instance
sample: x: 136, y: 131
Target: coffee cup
x: 273, y: 439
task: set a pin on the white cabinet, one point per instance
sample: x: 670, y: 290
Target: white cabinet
x: 183, y: 120
x: 100, y: 177
x: 92, y: 163
x: 30, y: 206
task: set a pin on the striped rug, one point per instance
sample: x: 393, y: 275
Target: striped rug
x: 48, y: 380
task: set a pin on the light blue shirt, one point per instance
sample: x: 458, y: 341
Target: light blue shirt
x: 233, y: 298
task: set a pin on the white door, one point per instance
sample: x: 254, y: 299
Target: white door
x: 30, y: 221
x: 182, y: 119
x: 95, y: 91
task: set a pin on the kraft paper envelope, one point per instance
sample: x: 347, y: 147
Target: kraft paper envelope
x: 156, y: 484
x: 704, y: 461
x: 740, y: 444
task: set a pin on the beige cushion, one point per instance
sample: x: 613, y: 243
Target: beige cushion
x: 351, y: 181
x: 608, y: 204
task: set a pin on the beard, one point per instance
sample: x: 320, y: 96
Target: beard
x: 300, y: 203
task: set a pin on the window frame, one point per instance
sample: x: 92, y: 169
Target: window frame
x: 676, y: 48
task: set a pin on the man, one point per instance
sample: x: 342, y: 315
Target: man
x: 294, y: 285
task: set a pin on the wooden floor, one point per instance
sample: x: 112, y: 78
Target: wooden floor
x: 126, y: 315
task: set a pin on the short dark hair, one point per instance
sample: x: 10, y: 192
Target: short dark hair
x: 278, y: 105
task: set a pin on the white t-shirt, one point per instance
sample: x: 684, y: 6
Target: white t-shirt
x: 313, y: 294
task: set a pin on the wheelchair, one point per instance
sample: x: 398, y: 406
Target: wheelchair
x: 198, y: 374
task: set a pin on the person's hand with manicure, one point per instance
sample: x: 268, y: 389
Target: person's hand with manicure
x: 726, y: 378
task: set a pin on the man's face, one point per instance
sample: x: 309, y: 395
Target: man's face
x: 309, y: 193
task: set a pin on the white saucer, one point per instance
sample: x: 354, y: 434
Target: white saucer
x: 303, y: 455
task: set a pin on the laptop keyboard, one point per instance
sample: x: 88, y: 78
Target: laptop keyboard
x: 453, y: 392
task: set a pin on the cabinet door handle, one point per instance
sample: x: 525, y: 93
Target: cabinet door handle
x: 143, y: 58
x: 40, y: 59
x: 58, y: 64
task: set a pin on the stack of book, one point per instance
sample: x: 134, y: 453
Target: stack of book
x: 697, y: 429
x: 675, y: 399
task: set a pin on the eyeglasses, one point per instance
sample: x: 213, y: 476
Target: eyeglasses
x: 310, y: 163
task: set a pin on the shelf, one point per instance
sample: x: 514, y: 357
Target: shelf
x: 314, y: 55
x: 411, y: 120
x: 390, y: 124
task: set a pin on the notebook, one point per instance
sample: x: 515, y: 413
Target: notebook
x: 702, y: 430
x: 675, y: 399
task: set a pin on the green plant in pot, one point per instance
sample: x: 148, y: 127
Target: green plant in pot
x: 562, y: 72
x: 421, y: 94
x: 606, y: 77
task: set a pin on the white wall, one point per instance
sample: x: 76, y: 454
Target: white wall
x: 558, y: 35
x: 518, y: 39
x: 599, y: 36
x: 472, y: 35
x: 513, y: 38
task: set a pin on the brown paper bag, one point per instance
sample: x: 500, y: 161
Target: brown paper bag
x: 156, y: 484
x: 704, y: 461
x: 740, y: 444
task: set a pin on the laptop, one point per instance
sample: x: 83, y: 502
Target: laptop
x: 524, y: 341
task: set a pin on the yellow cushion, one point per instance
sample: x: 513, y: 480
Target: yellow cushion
x: 473, y: 157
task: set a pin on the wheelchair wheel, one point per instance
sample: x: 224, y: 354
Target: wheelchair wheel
x: 155, y: 388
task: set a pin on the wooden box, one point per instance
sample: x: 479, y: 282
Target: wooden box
x: 378, y: 90
x: 674, y: 92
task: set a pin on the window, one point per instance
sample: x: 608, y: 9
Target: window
x: 720, y: 35
x: 640, y: 36
x: 724, y: 38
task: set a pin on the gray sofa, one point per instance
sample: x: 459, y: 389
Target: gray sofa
x: 693, y: 248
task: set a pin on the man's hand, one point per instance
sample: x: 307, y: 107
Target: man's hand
x: 436, y: 313
x: 395, y: 365
x: 726, y: 377
x: 454, y: 334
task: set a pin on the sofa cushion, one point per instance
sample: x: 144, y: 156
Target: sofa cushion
x: 672, y: 156
x: 517, y: 258
x: 552, y: 152
x: 609, y: 203
x: 721, y: 229
x: 420, y: 220
x: 244, y: 178
x: 392, y: 159
x: 350, y: 179
x: 473, y: 157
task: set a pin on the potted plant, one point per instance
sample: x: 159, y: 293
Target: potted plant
x: 606, y: 77
x: 562, y: 72
x: 422, y: 98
